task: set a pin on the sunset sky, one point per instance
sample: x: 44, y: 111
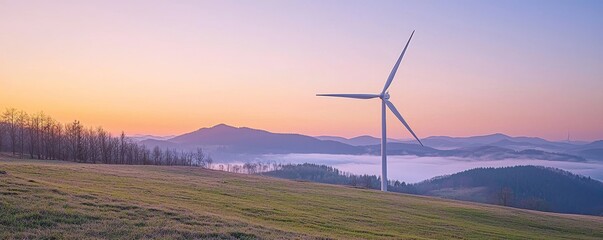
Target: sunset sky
x: 529, y: 68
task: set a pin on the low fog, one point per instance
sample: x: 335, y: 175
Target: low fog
x: 413, y: 169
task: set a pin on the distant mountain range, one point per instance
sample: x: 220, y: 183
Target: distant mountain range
x: 224, y: 139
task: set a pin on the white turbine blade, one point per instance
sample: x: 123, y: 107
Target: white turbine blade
x: 393, y: 73
x: 358, y: 96
x: 399, y: 116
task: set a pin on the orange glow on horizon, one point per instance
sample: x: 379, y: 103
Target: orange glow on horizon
x: 168, y: 69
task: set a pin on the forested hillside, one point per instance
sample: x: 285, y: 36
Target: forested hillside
x: 529, y: 187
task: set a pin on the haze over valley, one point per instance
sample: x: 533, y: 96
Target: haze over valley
x: 410, y: 162
x: 228, y: 139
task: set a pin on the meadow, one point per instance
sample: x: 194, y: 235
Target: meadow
x: 64, y: 200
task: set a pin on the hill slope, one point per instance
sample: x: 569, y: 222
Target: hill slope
x: 70, y: 200
x: 530, y: 187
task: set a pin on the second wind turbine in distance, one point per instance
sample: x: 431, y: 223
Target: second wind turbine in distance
x: 384, y: 96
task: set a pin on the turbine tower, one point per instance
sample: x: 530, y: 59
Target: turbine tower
x: 384, y: 96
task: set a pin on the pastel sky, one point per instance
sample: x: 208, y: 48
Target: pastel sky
x: 531, y: 68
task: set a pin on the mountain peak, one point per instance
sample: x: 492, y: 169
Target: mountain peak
x: 231, y: 139
x: 222, y: 126
x: 500, y: 135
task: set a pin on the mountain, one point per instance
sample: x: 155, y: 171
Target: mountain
x: 163, y: 144
x: 530, y: 187
x: 357, y: 141
x: 499, y: 153
x: 142, y: 137
x: 498, y: 139
x: 592, y: 151
x: 403, y: 149
x: 484, y: 152
x: 530, y: 147
x: 445, y: 142
x: 253, y: 141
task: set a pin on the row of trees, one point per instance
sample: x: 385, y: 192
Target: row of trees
x: 328, y: 174
x: 40, y: 136
x: 249, y: 167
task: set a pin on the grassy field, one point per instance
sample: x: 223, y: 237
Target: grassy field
x: 56, y: 200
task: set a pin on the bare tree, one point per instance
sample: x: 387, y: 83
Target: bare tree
x: 187, y: 158
x: 2, y: 133
x: 10, y: 118
x: 209, y: 161
x: 59, y: 141
x: 21, y: 122
x: 156, y: 155
x: 200, y: 157
x: 146, y: 155
x: 167, y: 157
x: 103, y: 144
x: 74, y: 132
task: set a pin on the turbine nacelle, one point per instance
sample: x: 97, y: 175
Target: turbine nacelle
x: 384, y: 96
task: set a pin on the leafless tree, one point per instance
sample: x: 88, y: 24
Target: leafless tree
x: 2, y: 134
x: 74, y: 133
x: 9, y: 117
x: 200, y: 157
x: 157, y: 155
x: 122, y: 147
x: 21, y: 122
x: 209, y: 161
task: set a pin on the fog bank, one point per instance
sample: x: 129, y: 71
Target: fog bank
x: 413, y: 169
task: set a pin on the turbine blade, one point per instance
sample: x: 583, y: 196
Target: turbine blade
x: 393, y: 73
x: 357, y: 96
x: 399, y: 116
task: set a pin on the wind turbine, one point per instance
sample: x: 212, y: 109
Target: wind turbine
x: 384, y: 96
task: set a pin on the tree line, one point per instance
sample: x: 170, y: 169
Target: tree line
x: 42, y: 137
x: 331, y: 175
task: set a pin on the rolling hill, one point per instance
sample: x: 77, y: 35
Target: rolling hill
x: 54, y: 200
x: 530, y: 187
x: 592, y: 150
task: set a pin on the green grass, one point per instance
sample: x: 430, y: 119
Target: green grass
x: 61, y: 200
